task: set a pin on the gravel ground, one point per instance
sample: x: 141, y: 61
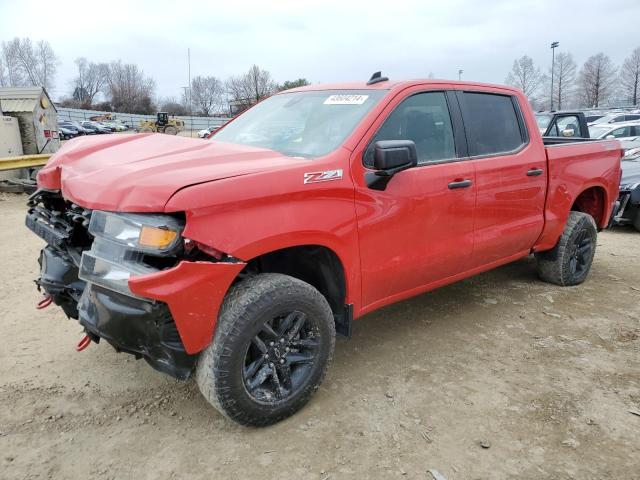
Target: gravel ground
x: 499, y: 376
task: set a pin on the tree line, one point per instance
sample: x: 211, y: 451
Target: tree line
x: 124, y: 87
x: 598, y: 82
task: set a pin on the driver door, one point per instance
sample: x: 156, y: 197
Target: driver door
x: 418, y: 232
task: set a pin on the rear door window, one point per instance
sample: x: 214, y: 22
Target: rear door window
x: 492, y: 122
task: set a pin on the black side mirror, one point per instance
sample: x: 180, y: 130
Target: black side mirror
x: 390, y: 157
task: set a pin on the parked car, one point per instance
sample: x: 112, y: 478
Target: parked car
x: 617, y: 117
x: 617, y: 130
x: 116, y: 126
x: 95, y: 127
x: 566, y: 124
x: 71, y: 125
x: 592, y: 118
x: 66, y: 133
x: 204, y: 133
x: 238, y: 260
x: 628, y: 208
x: 107, y: 125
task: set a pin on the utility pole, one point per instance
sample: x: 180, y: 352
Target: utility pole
x: 460, y: 72
x: 553, y: 64
x: 190, y: 113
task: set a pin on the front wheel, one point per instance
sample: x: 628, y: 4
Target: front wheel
x: 569, y: 262
x: 274, y: 340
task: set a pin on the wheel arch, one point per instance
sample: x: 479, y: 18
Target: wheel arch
x: 315, y: 264
x: 593, y: 200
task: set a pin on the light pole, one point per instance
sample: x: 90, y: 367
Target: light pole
x: 553, y: 61
x: 460, y: 72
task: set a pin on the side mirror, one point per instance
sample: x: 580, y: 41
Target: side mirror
x: 568, y: 132
x: 610, y: 137
x: 390, y: 157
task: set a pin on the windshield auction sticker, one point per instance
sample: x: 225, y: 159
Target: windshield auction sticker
x: 346, y: 99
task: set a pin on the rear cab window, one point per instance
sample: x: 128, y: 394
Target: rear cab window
x: 493, y: 123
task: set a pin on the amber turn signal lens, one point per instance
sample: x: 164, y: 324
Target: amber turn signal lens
x: 154, y: 237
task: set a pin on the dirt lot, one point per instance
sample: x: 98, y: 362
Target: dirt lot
x: 545, y: 377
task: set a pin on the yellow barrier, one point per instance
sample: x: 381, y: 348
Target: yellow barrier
x: 23, y: 161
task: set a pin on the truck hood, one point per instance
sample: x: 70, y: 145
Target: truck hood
x: 139, y: 173
x: 630, y: 172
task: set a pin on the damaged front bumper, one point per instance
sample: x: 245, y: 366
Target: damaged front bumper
x: 166, y: 314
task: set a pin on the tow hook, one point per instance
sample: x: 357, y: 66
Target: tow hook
x: 84, y: 343
x: 45, y: 302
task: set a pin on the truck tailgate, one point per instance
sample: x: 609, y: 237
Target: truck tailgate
x: 587, y: 171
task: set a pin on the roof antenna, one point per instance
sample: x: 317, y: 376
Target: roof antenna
x: 377, y: 78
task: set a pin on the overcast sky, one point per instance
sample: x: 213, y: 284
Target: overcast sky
x: 322, y: 41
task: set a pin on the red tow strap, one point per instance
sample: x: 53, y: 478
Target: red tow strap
x: 45, y: 302
x: 84, y: 343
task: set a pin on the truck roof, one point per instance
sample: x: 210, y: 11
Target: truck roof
x: 396, y: 85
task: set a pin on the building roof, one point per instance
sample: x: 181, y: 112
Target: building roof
x: 21, y: 99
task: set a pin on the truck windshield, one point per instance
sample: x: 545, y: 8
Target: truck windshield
x: 301, y: 124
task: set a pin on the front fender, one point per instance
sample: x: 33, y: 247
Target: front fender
x: 194, y: 292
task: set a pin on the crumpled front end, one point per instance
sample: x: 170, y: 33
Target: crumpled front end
x: 131, y: 280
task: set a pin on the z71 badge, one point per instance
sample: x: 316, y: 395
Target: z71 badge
x: 315, y: 177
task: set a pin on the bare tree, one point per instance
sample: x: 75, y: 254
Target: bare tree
x: 207, y: 94
x: 564, y: 80
x: 4, y: 78
x: 47, y: 62
x: 630, y: 76
x: 91, y: 80
x: 13, y: 72
x: 251, y: 87
x: 525, y: 76
x: 26, y: 64
x: 173, y: 107
x: 129, y: 88
x: 596, y: 81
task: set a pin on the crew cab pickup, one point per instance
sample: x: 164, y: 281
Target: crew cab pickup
x: 237, y: 259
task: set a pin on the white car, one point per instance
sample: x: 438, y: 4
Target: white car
x: 615, y: 130
x: 617, y: 117
x: 205, y: 132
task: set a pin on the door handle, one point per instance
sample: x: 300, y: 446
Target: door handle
x: 534, y: 172
x: 460, y: 184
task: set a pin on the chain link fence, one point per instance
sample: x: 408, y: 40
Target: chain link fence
x: 133, y: 120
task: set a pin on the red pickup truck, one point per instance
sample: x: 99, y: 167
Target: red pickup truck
x: 238, y: 259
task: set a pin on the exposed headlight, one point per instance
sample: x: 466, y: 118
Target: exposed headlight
x: 148, y: 233
x: 120, y: 245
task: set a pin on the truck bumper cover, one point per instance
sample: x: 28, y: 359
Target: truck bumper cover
x: 193, y: 292
x: 142, y: 328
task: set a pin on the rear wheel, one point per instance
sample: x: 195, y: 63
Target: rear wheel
x: 170, y: 130
x: 569, y: 262
x: 274, y: 339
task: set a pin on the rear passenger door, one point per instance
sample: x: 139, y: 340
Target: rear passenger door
x: 511, y: 176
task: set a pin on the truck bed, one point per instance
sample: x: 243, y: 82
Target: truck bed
x: 574, y: 170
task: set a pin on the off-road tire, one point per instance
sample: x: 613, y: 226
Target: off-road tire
x: 170, y: 130
x: 555, y: 265
x: 247, y: 305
